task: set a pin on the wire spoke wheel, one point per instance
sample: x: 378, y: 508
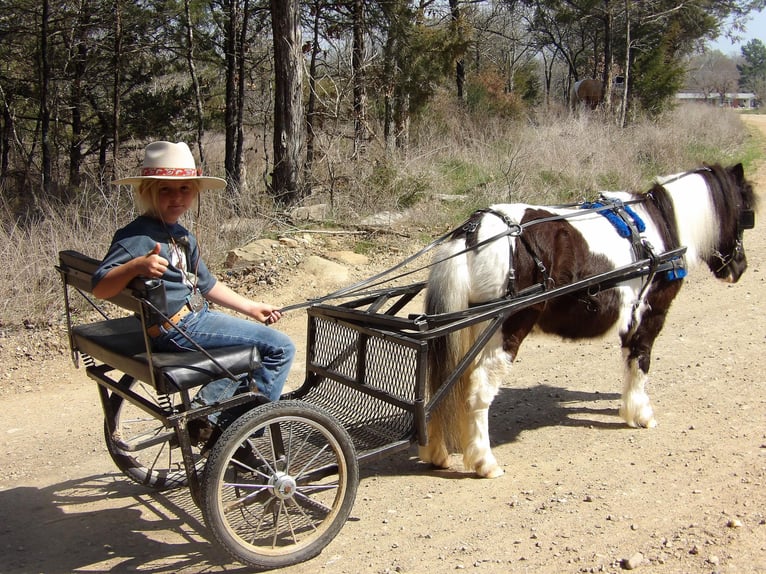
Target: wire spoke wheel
x: 141, y: 447
x: 279, y: 484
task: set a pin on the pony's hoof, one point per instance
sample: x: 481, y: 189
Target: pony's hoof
x: 493, y: 472
x: 438, y: 459
x: 644, y: 418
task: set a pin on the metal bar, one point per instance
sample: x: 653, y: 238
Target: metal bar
x: 465, y: 362
x: 98, y: 374
x: 362, y: 388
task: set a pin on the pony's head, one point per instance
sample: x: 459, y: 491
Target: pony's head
x: 734, y: 201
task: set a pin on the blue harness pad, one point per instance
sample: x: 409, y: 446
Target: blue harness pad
x: 622, y: 228
x: 678, y: 268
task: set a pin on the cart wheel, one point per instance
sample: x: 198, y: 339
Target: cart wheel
x: 141, y: 446
x: 279, y: 484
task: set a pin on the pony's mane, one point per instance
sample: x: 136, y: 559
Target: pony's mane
x: 666, y: 223
x: 703, y: 217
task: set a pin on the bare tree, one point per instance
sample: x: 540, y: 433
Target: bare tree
x: 288, y: 101
x: 359, y: 77
x: 195, y: 81
x: 713, y: 73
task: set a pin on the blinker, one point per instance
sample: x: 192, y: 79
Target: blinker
x: 747, y: 219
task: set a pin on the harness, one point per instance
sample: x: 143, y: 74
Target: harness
x: 625, y: 220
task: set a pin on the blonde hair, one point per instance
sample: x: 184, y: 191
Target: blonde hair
x: 147, y: 193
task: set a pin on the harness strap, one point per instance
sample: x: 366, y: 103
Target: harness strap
x: 511, y: 280
x: 510, y: 284
x: 629, y: 219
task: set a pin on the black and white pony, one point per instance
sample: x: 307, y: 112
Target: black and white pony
x: 704, y: 210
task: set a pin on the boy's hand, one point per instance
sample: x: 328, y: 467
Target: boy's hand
x: 153, y: 264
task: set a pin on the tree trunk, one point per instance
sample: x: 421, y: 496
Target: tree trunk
x: 608, y: 57
x: 75, y: 140
x: 44, y: 110
x: 239, y: 150
x: 459, y: 64
x: 359, y: 78
x: 195, y: 84
x: 311, y: 114
x: 116, y: 87
x: 625, y: 91
x: 288, y: 102
x: 232, y: 105
x: 389, y: 84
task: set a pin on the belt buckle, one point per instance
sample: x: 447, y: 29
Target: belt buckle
x: 196, y: 301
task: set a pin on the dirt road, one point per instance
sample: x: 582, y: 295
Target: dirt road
x: 581, y: 491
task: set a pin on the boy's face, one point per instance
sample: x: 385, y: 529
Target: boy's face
x: 174, y: 198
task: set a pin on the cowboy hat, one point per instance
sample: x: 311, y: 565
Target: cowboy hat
x: 167, y: 160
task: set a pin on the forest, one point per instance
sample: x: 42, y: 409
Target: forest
x: 268, y: 92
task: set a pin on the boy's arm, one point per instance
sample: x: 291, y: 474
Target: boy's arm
x: 224, y: 295
x: 151, y: 265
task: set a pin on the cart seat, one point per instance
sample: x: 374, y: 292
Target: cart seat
x: 120, y: 344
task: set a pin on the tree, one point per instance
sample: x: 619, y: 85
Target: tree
x: 713, y: 73
x: 753, y: 70
x: 288, y: 102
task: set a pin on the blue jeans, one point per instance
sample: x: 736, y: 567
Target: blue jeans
x: 211, y: 329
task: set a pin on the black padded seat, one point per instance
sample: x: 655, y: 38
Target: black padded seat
x: 120, y: 344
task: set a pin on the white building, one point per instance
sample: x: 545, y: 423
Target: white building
x: 741, y: 100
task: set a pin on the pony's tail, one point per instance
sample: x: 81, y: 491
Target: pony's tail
x: 448, y: 291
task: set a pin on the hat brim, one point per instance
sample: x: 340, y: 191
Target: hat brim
x: 205, y: 182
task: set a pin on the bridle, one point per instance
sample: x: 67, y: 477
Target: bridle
x: 746, y: 221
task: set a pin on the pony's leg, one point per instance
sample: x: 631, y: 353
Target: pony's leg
x: 493, y: 365
x: 435, y: 452
x: 484, y: 383
x: 636, y: 409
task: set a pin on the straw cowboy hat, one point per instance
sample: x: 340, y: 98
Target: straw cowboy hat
x: 167, y: 160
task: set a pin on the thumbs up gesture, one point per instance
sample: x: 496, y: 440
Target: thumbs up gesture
x: 154, y: 264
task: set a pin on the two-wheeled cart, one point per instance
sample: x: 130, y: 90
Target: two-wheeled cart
x: 280, y: 482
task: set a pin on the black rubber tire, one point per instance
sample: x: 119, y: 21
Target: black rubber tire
x: 292, y: 494
x: 159, y: 466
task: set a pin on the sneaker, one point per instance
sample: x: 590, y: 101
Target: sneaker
x: 200, y: 431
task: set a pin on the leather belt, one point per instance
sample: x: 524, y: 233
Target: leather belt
x: 154, y: 330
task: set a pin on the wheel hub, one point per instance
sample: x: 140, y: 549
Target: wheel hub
x: 283, y: 485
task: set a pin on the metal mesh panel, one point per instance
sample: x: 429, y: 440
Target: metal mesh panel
x: 370, y: 385
x: 371, y: 422
x: 335, y: 348
x: 391, y: 368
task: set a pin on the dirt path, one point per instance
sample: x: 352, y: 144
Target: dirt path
x: 581, y: 491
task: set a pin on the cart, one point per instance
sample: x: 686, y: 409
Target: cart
x: 280, y: 482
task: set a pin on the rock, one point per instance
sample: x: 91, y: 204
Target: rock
x: 254, y: 253
x: 349, y: 257
x: 318, y: 212
x: 327, y: 272
x: 633, y: 562
x: 289, y: 242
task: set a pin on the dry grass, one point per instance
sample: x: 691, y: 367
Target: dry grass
x: 546, y: 158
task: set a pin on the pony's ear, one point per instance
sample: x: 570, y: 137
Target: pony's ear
x: 738, y: 172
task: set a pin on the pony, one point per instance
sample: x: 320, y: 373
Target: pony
x: 508, y: 248
x: 588, y: 92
